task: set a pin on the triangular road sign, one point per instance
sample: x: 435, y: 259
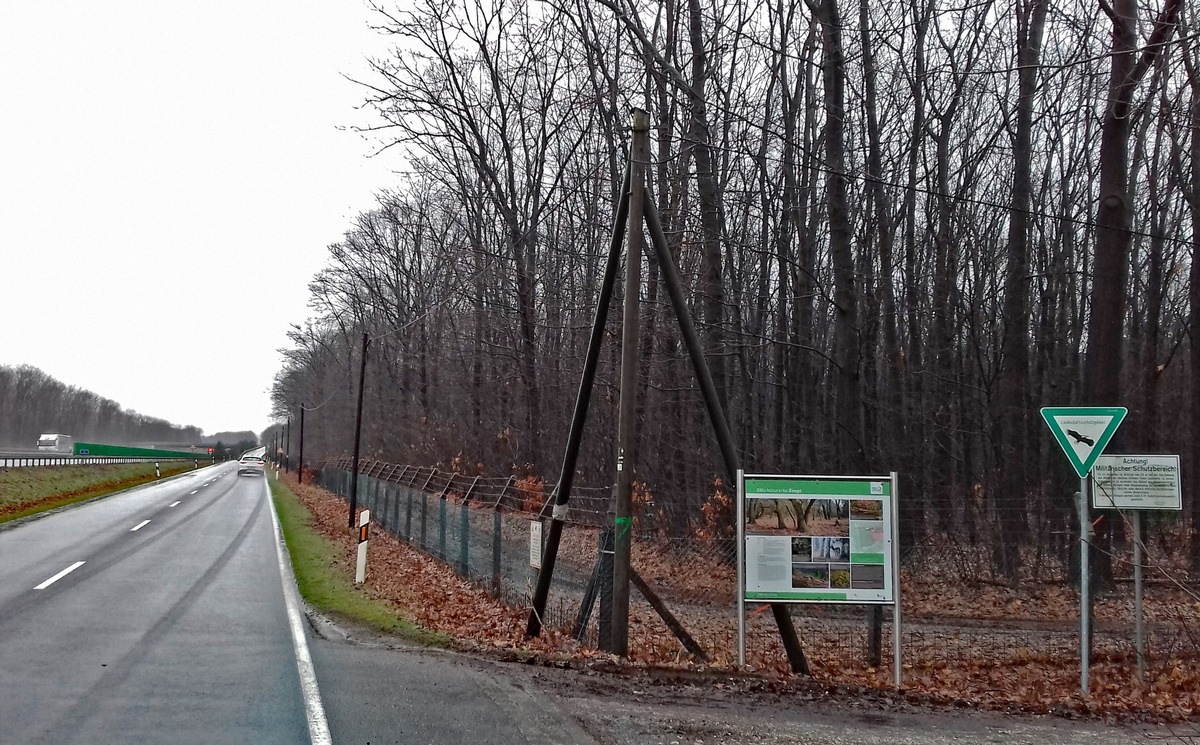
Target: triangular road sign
x: 1083, y: 433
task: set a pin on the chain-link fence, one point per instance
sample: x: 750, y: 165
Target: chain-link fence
x: 481, y: 526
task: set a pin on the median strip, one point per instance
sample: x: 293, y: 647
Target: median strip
x: 60, y: 575
x: 139, y: 526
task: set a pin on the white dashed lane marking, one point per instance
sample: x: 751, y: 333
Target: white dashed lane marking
x: 60, y: 575
x: 173, y: 504
x: 139, y: 526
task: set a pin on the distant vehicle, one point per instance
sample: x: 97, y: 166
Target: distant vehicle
x: 251, y: 464
x: 56, y: 443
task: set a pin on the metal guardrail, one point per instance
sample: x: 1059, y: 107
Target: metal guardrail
x: 29, y: 460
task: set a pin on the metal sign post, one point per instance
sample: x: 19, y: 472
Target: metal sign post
x: 1137, y: 483
x: 1139, y: 631
x: 741, y: 567
x: 1083, y: 433
x: 1085, y: 533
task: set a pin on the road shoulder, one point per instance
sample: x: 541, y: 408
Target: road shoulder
x: 550, y: 704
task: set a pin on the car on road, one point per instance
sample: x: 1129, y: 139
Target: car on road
x: 251, y: 464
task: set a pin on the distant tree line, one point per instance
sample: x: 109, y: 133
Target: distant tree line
x: 32, y: 403
x: 904, y: 227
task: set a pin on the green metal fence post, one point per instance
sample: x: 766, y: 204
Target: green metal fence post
x: 496, y: 520
x: 463, y: 533
x: 408, y: 515
x: 442, y: 528
x: 424, y: 510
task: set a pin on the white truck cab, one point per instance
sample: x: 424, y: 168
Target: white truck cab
x: 56, y: 443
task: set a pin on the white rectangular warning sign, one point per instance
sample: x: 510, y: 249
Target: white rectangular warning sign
x: 1136, y: 482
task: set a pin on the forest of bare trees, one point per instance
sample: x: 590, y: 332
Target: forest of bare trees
x: 32, y: 402
x: 905, y: 228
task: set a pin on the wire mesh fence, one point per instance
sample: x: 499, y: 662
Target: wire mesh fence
x: 481, y: 526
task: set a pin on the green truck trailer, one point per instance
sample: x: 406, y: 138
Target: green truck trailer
x: 121, y: 451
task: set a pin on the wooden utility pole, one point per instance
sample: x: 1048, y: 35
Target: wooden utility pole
x: 627, y: 422
x: 566, y: 478
x: 614, y: 560
x: 300, y: 457
x: 362, y: 378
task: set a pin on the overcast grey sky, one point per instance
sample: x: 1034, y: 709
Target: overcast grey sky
x: 170, y: 177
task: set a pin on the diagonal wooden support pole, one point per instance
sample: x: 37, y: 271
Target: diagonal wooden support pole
x: 566, y: 478
x: 687, y: 328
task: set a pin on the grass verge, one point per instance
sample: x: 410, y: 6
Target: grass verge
x: 32, y: 490
x: 323, y: 579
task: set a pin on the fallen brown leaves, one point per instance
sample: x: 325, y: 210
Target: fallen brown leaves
x: 423, y: 588
x: 951, y: 672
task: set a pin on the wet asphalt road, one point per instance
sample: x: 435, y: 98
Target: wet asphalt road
x: 175, y: 629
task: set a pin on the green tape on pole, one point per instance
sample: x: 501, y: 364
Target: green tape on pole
x: 623, y: 524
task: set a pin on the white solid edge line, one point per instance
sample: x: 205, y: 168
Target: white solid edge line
x: 60, y: 575
x: 173, y: 504
x: 318, y: 726
x: 139, y: 526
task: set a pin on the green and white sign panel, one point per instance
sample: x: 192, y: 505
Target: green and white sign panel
x: 1083, y: 432
x: 1136, y: 482
x: 818, y: 539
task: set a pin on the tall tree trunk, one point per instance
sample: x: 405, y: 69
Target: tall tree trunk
x: 1192, y: 192
x: 888, y: 396
x: 945, y: 380
x: 912, y: 513
x: 1015, y: 454
x: 1102, y: 367
x: 792, y: 97
x: 708, y: 190
x: 848, y: 434
x: 1149, y: 424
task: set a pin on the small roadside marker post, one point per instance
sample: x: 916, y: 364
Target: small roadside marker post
x: 1083, y: 433
x: 364, y: 522
x: 157, y: 473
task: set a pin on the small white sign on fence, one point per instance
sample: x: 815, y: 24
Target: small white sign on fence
x: 535, y: 544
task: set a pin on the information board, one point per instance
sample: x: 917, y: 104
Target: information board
x: 1136, y: 482
x: 825, y: 539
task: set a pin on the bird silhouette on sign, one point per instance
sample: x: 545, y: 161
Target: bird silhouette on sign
x: 1084, y: 439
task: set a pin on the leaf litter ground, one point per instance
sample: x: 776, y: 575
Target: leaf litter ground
x: 1033, y: 678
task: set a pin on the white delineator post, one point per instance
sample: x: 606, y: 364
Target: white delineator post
x: 364, y: 521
